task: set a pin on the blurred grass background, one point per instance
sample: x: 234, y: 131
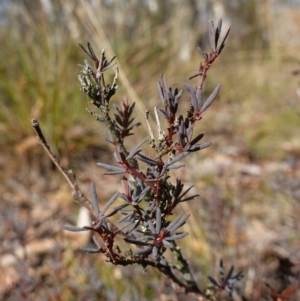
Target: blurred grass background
x: 255, y: 120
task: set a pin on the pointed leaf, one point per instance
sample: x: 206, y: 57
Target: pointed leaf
x: 174, y: 226
x: 202, y: 52
x: 212, y: 35
x: 211, y: 98
x: 146, y: 159
x: 222, y: 43
x: 111, y: 167
x: 167, y: 243
x: 114, y: 172
x: 75, y: 229
x: 218, y: 31
x: 177, y: 236
x: 109, y: 203
x: 213, y: 281
x: 192, y: 92
x: 137, y: 148
x: 136, y: 242
x: 94, y: 199
x: 199, y: 97
x: 197, y: 138
x: 177, y: 158
x: 158, y: 220
x: 143, y: 251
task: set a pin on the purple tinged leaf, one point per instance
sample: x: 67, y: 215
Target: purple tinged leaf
x: 158, y: 221
x: 143, y: 193
x: 211, y: 98
x: 115, y: 210
x: 143, y: 251
x: 131, y: 229
x: 192, y: 92
x: 222, y: 43
x: 111, y: 167
x: 221, y: 270
x: 199, y: 97
x: 163, y: 113
x: 186, y: 191
x: 164, y: 86
x: 154, y: 252
x: 167, y: 243
x: 137, y: 242
x: 150, y: 224
x: 114, y: 173
x: 99, y: 224
x: 174, y: 226
x: 197, y: 138
x: 188, y: 198
x: 109, y: 65
x: 136, y: 149
x: 125, y: 218
x: 202, y: 52
x: 134, y: 126
x: 94, y: 199
x: 109, y: 203
x: 229, y: 274
x: 124, y: 226
x: 96, y: 242
x: 170, y: 226
x: 177, y: 158
x: 176, y: 99
x: 90, y: 250
x: 218, y: 31
x: 175, y: 166
x: 212, y: 34
x: 198, y: 147
x: 119, y: 120
x: 159, y: 178
x: 74, y: 229
x: 189, y: 131
x: 213, y: 281
x: 147, y: 160
x: 160, y: 90
x: 117, y: 157
x: 177, y: 236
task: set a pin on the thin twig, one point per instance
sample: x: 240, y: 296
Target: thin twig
x: 67, y: 173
